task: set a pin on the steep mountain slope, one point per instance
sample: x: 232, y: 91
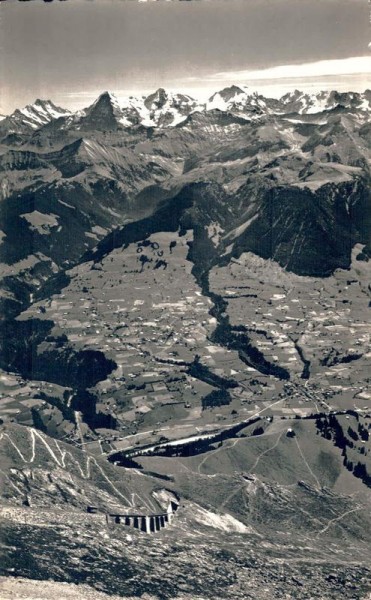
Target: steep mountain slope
x: 45, y: 472
x: 103, y: 114
x: 50, y: 537
x: 62, y: 203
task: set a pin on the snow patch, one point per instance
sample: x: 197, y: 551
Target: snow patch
x: 68, y: 205
x: 41, y: 222
x: 241, y: 229
x: 222, y: 521
x: 164, y: 498
x: 213, y: 231
x: 99, y: 230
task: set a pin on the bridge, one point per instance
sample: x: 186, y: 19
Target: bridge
x: 147, y: 523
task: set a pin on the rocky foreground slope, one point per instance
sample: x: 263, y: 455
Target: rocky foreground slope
x: 187, y: 317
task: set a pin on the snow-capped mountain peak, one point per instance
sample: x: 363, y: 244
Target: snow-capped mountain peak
x: 241, y: 100
x: 228, y: 98
x: 40, y: 112
x: 32, y: 117
x: 167, y: 108
x: 104, y: 113
x: 156, y: 100
x: 106, y: 98
x: 302, y: 103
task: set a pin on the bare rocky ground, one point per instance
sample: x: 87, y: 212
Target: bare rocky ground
x: 28, y: 589
x: 189, y: 560
x: 259, y: 517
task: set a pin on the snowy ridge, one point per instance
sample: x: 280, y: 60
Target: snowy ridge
x: 302, y: 103
x: 33, y: 116
x: 160, y: 109
x: 167, y: 109
x: 234, y: 97
x: 241, y: 100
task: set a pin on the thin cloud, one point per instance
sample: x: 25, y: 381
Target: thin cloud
x: 348, y: 74
x: 344, y: 66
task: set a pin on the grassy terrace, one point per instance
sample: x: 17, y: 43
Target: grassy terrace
x: 143, y: 308
x: 151, y: 336
x: 291, y: 318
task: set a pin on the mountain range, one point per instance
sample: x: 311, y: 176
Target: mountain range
x: 168, y: 109
x: 184, y: 298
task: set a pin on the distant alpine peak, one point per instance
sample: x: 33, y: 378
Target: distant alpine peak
x: 32, y: 117
x: 105, y: 101
x: 292, y: 96
x: 161, y: 97
x: 46, y: 104
x: 156, y: 100
x: 106, y: 96
x: 231, y: 92
x: 240, y: 99
x: 104, y: 114
x: 164, y: 108
x: 304, y: 103
x: 228, y: 98
x: 45, y: 109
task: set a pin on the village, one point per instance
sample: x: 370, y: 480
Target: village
x: 142, y: 307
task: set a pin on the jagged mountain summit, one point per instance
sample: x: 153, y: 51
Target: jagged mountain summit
x: 164, y: 109
x: 169, y: 109
x: 104, y: 113
x: 31, y: 117
x: 159, y: 109
x: 241, y: 100
x: 299, y: 102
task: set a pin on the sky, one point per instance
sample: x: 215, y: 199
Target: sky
x: 72, y: 51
